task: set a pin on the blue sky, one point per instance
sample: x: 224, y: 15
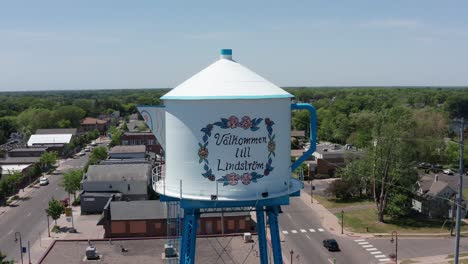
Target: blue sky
x: 47, y: 45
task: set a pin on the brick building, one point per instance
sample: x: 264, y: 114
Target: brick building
x: 142, y: 138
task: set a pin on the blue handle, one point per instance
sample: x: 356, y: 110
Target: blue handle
x: 313, y: 132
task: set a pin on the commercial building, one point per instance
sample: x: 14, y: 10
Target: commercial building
x: 149, y: 219
x: 142, y: 138
x: 131, y: 181
x: 128, y: 152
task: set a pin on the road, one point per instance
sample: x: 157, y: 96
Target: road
x: 29, y: 217
x: 303, y: 234
x: 419, y: 247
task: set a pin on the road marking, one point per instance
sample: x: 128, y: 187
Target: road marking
x: 367, y: 246
x: 28, y: 214
x: 359, y: 240
x: 303, y: 231
x: 371, y: 249
x: 380, y: 256
x: 363, y: 243
x: 320, y: 230
x: 294, y: 231
x: 289, y: 216
x: 376, y: 252
x: 11, y: 231
x: 308, y: 237
x: 285, y: 232
x: 385, y: 259
x: 312, y: 230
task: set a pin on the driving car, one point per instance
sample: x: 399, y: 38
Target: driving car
x: 331, y: 245
x: 43, y: 181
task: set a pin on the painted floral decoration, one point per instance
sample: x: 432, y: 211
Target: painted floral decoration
x: 231, y: 123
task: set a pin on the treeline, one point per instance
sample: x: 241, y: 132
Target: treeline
x: 345, y: 114
x: 27, y: 111
x: 349, y: 116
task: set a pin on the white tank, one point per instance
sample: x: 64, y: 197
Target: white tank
x: 227, y: 134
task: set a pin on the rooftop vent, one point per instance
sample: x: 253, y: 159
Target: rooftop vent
x: 226, y: 54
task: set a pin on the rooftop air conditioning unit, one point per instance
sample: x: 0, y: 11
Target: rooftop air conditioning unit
x: 91, y: 253
x: 169, y: 251
x: 247, y: 237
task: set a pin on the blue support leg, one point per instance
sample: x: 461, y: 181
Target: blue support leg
x: 272, y: 212
x: 262, y: 242
x: 189, y: 237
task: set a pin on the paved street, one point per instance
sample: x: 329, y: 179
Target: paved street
x: 29, y: 216
x: 305, y: 235
x: 419, y: 247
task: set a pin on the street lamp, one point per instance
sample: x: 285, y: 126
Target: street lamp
x: 395, y: 233
x: 18, y: 234
x: 291, y: 252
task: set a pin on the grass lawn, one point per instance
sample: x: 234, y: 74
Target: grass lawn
x: 338, y: 203
x: 358, y: 220
x: 408, y: 261
x: 461, y: 255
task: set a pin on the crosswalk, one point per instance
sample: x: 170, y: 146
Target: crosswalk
x: 372, y: 250
x: 310, y: 230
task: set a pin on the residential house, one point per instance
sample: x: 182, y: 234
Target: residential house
x: 434, y: 192
x: 330, y: 157
x: 131, y: 181
x: 90, y: 124
x: 149, y: 219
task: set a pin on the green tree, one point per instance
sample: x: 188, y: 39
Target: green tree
x: 71, y: 181
x: 3, y: 259
x: 98, y: 154
x: 390, y: 156
x: 72, y: 114
x: 116, y: 136
x: 55, y: 209
x: 31, y: 119
x: 48, y: 158
x: 10, y: 183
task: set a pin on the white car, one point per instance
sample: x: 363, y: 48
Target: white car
x: 87, y: 149
x: 43, y: 181
x: 448, y: 171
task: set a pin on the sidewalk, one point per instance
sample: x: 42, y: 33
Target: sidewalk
x: 331, y: 223
x: 84, y: 224
x: 440, y: 259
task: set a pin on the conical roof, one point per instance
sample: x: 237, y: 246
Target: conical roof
x: 226, y: 79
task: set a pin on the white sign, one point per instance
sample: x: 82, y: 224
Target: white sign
x: 236, y: 150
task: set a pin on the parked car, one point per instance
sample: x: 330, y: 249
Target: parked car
x: 93, y: 143
x: 424, y: 165
x: 448, y: 171
x: 436, y: 167
x: 331, y: 245
x: 43, y: 181
x: 87, y: 149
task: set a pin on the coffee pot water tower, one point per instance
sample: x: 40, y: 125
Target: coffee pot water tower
x: 226, y: 136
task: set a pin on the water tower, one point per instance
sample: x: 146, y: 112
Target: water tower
x: 226, y: 135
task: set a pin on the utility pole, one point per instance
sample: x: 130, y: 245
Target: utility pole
x: 342, y: 220
x: 459, y: 195
x: 18, y: 234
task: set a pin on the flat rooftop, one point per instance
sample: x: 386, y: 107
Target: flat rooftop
x: 128, y: 149
x: 149, y: 251
x: 118, y: 172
